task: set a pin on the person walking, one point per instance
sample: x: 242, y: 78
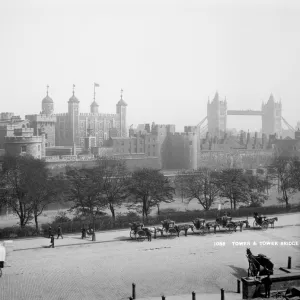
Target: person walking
x: 49, y: 232
x: 52, y: 241
x: 83, y: 231
x: 59, y: 232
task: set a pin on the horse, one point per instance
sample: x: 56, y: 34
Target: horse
x: 259, y: 265
x: 213, y: 224
x: 240, y: 223
x: 272, y: 221
x: 183, y: 227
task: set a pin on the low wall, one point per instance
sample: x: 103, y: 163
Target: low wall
x: 253, y: 288
x: 57, y: 167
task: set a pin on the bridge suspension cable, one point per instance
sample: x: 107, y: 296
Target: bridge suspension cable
x: 287, y: 124
x: 199, y: 124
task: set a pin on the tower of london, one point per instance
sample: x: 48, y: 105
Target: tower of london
x: 71, y: 128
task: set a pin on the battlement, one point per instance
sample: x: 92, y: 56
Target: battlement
x: 23, y: 139
x: 98, y: 115
x: 61, y: 115
x: 41, y: 118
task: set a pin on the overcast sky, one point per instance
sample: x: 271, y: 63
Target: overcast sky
x: 167, y: 56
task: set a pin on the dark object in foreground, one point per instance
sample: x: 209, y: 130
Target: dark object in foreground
x: 52, y: 241
x: 259, y: 265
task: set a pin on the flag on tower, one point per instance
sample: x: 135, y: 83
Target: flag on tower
x: 96, y: 84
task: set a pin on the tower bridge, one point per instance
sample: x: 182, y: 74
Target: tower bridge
x: 248, y: 112
x: 216, y: 125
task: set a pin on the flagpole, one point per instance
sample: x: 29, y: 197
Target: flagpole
x: 94, y: 92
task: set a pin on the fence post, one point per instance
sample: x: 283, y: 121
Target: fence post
x: 238, y: 286
x: 289, y: 262
x: 133, y: 291
x: 222, y: 294
x: 193, y: 296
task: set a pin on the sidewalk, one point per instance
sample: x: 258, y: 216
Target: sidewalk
x: 199, y: 296
x: 70, y: 240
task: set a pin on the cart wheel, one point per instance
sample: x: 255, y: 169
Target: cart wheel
x: 264, y: 225
x: 132, y: 234
x: 172, y: 232
x: 201, y: 230
x: 230, y: 228
x: 141, y: 235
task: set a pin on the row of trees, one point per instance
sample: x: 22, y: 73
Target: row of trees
x: 239, y: 187
x: 27, y: 187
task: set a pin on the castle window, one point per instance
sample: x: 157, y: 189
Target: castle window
x: 23, y: 149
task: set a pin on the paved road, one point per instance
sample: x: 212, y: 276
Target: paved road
x: 171, y: 266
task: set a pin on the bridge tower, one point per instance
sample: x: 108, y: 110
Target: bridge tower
x: 271, y: 117
x: 217, y: 116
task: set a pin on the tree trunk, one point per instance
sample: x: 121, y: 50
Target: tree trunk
x: 94, y: 234
x: 286, y: 198
x: 36, y: 222
x: 113, y: 215
x: 158, y: 212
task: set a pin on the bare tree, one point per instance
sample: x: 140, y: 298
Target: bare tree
x: 114, y: 187
x: 257, y: 190
x: 149, y: 188
x: 284, y: 170
x: 28, y: 187
x: 201, y: 185
x: 233, y: 186
x: 84, y: 193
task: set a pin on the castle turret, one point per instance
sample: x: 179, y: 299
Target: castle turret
x: 73, y: 113
x: 47, y: 104
x: 94, y: 107
x: 121, y: 111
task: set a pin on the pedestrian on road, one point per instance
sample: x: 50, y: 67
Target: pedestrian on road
x: 59, y: 232
x: 49, y: 232
x: 83, y: 231
x: 52, y: 241
x: 148, y: 234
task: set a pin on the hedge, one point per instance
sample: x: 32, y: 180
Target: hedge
x: 123, y: 220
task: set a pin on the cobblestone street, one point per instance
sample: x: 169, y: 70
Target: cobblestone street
x: 106, y: 270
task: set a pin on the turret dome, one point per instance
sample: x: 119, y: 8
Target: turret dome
x: 47, y: 99
x: 73, y: 99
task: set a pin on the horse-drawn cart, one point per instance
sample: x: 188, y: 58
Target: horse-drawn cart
x: 224, y: 222
x: 263, y: 222
x: 199, y: 227
x: 168, y: 228
x: 137, y: 232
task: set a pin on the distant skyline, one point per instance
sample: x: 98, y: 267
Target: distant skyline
x: 167, y: 56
